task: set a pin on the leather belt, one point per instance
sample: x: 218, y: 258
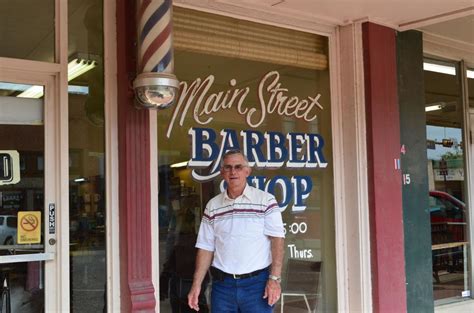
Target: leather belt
x: 220, y: 275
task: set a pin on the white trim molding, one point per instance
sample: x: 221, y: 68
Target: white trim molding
x: 444, y: 47
x: 61, y: 109
x: 351, y: 183
x: 112, y: 158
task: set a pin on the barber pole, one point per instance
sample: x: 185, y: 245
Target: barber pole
x: 155, y: 85
x: 155, y: 36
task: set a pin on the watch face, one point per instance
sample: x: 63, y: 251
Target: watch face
x: 275, y: 278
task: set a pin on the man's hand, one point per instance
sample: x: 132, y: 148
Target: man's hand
x: 272, y: 291
x: 193, y: 297
x: 203, y: 261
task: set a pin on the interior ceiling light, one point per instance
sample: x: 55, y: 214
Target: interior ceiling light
x: 438, y: 68
x: 75, y: 68
x: 180, y: 164
x: 435, y: 106
x: 72, y: 89
x: 32, y: 92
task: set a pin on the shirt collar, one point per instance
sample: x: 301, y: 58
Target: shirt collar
x: 247, y: 193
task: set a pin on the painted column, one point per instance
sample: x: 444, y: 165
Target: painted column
x: 384, y: 175
x: 416, y: 215
x: 137, y: 290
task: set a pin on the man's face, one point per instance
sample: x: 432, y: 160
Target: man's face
x: 235, y: 171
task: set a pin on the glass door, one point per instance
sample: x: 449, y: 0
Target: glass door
x: 27, y: 193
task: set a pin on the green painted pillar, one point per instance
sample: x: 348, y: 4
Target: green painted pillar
x: 416, y: 215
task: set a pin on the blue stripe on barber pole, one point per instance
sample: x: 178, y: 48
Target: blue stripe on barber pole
x: 154, y: 18
x: 163, y: 62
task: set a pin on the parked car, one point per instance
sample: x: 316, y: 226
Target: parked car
x: 448, y: 229
x: 448, y: 218
x: 8, y: 229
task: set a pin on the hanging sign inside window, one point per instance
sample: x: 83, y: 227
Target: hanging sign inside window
x: 9, y: 167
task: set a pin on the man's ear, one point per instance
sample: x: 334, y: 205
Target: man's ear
x: 249, y: 170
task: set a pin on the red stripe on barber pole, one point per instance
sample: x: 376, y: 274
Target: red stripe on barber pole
x: 142, y: 8
x: 155, y: 45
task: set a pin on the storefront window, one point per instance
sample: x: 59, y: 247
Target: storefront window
x: 264, y: 90
x: 87, y: 158
x: 446, y: 168
x: 27, y: 29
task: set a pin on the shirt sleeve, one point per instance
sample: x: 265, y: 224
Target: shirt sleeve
x: 205, y: 239
x: 273, y: 219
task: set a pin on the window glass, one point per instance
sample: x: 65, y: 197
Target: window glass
x: 234, y: 99
x: 27, y: 29
x: 86, y: 157
x: 446, y: 168
x: 470, y: 88
x: 12, y: 222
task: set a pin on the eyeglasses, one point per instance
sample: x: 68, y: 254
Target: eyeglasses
x: 237, y: 168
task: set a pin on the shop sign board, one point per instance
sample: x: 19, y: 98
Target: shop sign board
x: 449, y: 174
x: 29, y: 227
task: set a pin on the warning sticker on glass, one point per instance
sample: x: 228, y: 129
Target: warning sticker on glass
x: 29, y: 227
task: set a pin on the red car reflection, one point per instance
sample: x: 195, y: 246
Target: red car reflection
x: 448, y: 218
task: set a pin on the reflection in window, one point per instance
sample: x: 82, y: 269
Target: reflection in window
x: 446, y: 166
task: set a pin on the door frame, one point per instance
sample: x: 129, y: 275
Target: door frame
x: 56, y: 266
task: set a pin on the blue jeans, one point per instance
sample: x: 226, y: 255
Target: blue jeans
x: 240, y: 295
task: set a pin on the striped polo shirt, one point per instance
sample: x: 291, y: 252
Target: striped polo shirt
x: 238, y: 230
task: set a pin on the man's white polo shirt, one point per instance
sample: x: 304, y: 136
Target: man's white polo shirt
x: 238, y: 230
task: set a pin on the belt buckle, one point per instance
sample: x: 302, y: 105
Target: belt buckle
x: 236, y: 276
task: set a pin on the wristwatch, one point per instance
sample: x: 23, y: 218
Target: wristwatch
x: 275, y: 278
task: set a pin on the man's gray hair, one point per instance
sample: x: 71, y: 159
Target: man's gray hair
x: 232, y: 152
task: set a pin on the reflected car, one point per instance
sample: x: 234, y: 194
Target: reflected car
x: 8, y: 229
x: 448, y: 218
x: 448, y: 229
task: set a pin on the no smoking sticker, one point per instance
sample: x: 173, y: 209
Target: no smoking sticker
x: 29, y: 227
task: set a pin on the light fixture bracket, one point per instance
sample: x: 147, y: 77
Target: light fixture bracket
x: 155, y: 90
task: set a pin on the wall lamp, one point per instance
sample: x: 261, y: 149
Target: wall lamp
x: 155, y: 86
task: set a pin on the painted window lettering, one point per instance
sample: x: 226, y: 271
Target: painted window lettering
x: 264, y: 150
x: 272, y: 98
x: 304, y: 150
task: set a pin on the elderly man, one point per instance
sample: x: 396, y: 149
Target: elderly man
x: 242, y: 235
